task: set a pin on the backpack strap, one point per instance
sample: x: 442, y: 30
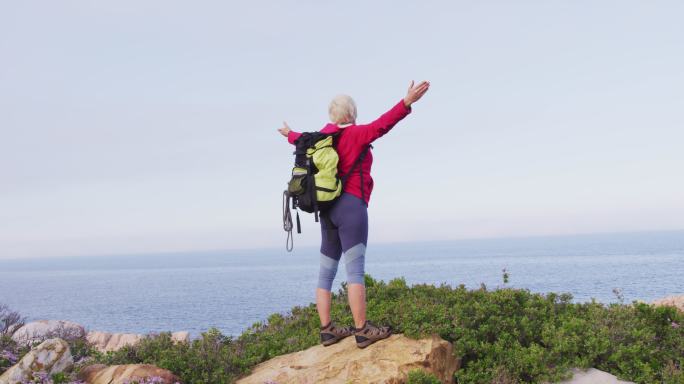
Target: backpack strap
x: 312, y: 190
x: 357, y: 162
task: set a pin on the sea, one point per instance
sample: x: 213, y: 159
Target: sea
x: 232, y: 290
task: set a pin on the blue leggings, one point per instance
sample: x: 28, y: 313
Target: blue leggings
x: 344, y: 230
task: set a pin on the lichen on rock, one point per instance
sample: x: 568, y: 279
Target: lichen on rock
x: 49, y: 357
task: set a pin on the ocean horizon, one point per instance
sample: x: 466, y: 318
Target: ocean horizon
x: 231, y: 290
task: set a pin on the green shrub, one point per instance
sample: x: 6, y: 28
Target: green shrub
x: 418, y: 376
x: 60, y: 378
x: 502, y: 336
x: 212, y: 358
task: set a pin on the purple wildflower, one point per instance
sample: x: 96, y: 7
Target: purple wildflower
x: 41, y: 377
x: 675, y: 325
x: 8, y: 355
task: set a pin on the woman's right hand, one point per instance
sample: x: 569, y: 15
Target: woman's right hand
x: 285, y: 130
x: 415, y: 92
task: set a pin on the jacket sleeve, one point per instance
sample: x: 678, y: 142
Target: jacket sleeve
x: 292, y: 136
x: 371, y: 132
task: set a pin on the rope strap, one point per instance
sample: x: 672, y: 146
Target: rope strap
x: 287, y: 221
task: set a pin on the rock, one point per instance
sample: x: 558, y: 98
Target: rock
x: 593, y: 376
x: 386, y: 361
x: 120, y: 374
x: 181, y: 337
x: 105, y: 341
x: 674, y: 301
x: 51, y: 356
x: 46, y: 329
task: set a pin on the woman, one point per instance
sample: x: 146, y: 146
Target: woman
x: 344, y: 230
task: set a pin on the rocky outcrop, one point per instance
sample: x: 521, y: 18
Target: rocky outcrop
x: 386, y: 361
x: 674, y: 301
x: 105, y: 341
x: 50, y: 357
x: 120, y: 374
x: 37, y: 331
x: 593, y: 376
x: 181, y: 337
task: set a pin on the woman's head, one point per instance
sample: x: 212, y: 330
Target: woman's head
x: 342, y: 110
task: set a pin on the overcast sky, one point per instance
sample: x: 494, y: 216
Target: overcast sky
x: 150, y: 126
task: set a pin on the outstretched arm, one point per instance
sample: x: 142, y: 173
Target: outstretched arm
x: 290, y: 134
x: 389, y: 119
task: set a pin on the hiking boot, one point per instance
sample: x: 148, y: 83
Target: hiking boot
x: 370, y: 333
x: 331, y: 334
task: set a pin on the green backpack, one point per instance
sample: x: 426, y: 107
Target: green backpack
x: 315, y: 184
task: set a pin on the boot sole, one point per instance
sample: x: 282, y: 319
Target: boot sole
x: 364, y: 343
x: 332, y: 341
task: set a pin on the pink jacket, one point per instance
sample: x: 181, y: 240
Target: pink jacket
x: 353, y: 140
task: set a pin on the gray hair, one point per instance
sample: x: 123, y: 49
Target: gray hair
x: 342, y: 110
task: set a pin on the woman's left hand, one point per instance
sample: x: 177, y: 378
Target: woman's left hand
x: 285, y: 130
x: 415, y: 92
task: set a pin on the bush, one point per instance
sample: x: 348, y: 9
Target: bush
x: 418, y: 376
x: 57, y: 378
x: 10, y: 352
x: 10, y: 321
x: 511, y: 335
x: 210, y: 359
x: 501, y: 336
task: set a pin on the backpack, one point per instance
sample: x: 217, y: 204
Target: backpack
x: 315, y: 184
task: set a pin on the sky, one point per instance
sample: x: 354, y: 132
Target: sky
x: 150, y: 126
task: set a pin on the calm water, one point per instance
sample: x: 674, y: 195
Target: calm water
x: 232, y: 290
